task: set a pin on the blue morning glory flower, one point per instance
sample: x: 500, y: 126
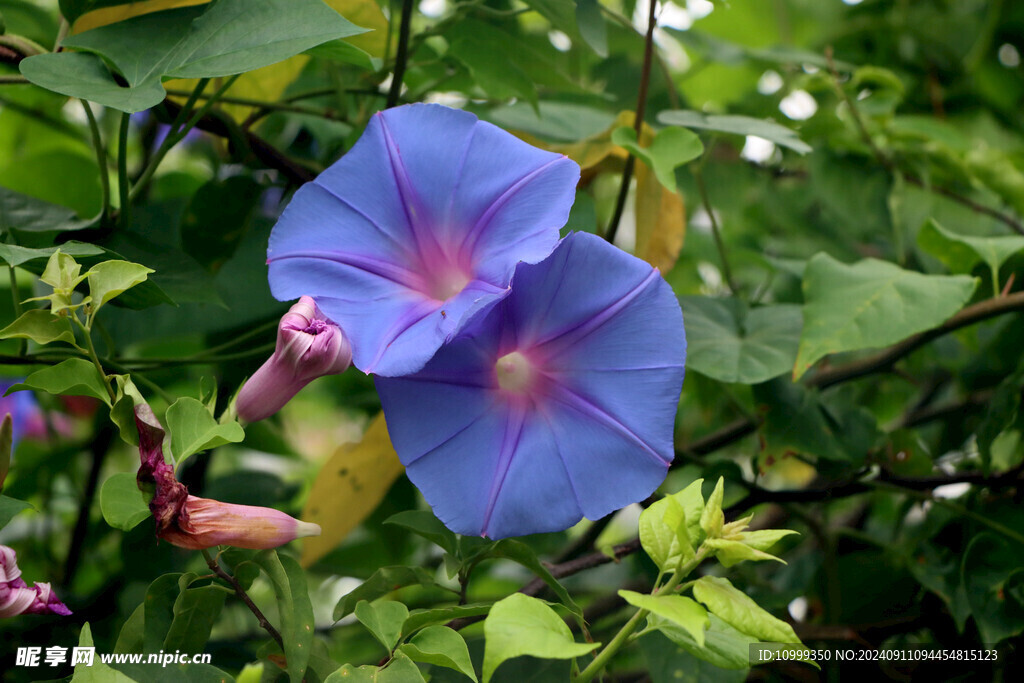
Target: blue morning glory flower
x: 416, y: 228
x: 557, y: 403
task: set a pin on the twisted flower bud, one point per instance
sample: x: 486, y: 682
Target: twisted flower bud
x: 204, y: 523
x: 15, y: 595
x: 308, y: 346
x: 197, y: 523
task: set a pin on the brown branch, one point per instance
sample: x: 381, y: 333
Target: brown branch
x: 240, y: 592
x: 977, y: 207
x: 879, y: 362
x: 638, y: 124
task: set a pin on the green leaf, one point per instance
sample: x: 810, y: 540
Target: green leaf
x: 668, y: 532
x: 727, y: 341
x: 14, y: 255
x: 712, y: 518
x: 345, y: 52
x: 383, y: 619
x: 676, y: 608
x: 441, y: 646
x: 383, y: 581
x: 723, y: 646
x: 418, y: 618
x: 739, y: 611
x: 72, y: 377
x: 219, y: 39
x: 218, y: 218
x: 590, y: 22
x: 1001, y: 415
x: 111, y: 278
x: 737, y: 125
x: 490, y: 55
x: 123, y: 505
x: 994, y: 582
x: 195, y: 612
x: 521, y: 625
x: 959, y: 252
x: 425, y: 524
x: 23, y: 212
x: 400, y: 669
x: 97, y: 671
x: 40, y: 326
x: 871, y: 304
x: 796, y: 421
x: 733, y: 552
x: 9, y: 507
x: 289, y: 582
x: 667, y: 662
x: 194, y: 429
x: 130, y: 638
x: 517, y: 551
x: 671, y: 148
x: 158, y: 612
x: 762, y: 539
x: 122, y: 413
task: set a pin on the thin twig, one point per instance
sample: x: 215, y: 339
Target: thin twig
x: 101, y: 159
x: 402, y: 57
x: 638, y: 123
x: 244, y: 597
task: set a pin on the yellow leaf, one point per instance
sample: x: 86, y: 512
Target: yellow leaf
x: 365, y: 13
x: 348, y: 488
x: 111, y: 15
x: 660, y: 214
x: 660, y: 221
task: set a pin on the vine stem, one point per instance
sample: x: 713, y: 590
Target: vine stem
x: 620, y: 639
x: 122, y: 172
x: 16, y: 300
x: 402, y: 57
x: 95, y: 358
x: 101, y: 159
x: 244, y: 597
x: 638, y: 123
x: 716, y: 232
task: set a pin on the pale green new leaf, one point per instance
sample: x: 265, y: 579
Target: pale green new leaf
x: 740, y: 611
x: 733, y: 552
x: 737, y: 125
x: 668, y: 532
x: 676, y: 608
x: 671, y: 148
x: 960, y: 252
x: 41, y: 326
x: 110, y: 278
x: 521, y: 625
x: 723, y: 646
x: 712, y: 519
x: 122, y: 503
x: 72, y: 377
x: 194, y: 429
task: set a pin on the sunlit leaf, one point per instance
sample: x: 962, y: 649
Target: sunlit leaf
x: 678, y: 609
x: 348, y: 488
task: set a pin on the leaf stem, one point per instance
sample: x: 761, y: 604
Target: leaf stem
x: 638, y: 122
x: 122, y: 172
x: 402, y: 57
x: 178, y: 130
x: 240, y: 592
x: 101, y: 159
x: 620, y: 639
x: 698, y: 175
x: 16, y: 300
x: 95, y: 358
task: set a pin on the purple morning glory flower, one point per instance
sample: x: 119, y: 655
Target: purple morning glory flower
x: 558, y: 403
x: 416, y: 228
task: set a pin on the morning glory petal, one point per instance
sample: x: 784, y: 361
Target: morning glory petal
x: 416, y: 229
x: 555, y: 404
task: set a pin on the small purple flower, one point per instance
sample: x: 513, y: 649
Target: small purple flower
x: 26, y: 415
x: 558, y: 403
x: 16, y: 597
x: 416, y: 228
x: 308, y: 346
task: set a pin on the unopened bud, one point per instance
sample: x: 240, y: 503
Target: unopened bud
x: 204, y: 523
x: 308, y: 346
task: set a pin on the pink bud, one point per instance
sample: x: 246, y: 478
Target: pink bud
x: 16, y: 597
x: 205, y: 523
x: 308, y: 346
